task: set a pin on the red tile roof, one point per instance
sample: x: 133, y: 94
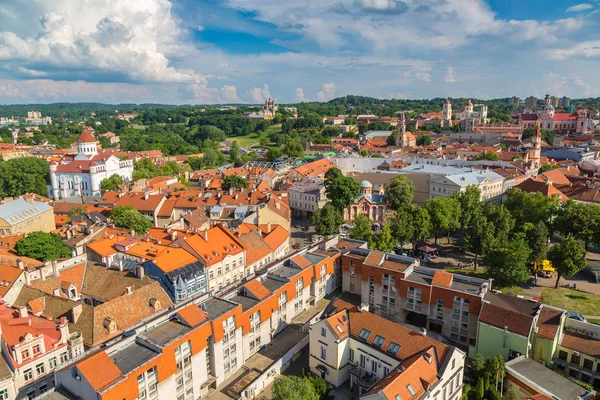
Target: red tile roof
x: 257, y: 289
x: 501, y: 317
x: 192, y: 315
x: 581, y: 343
x: 442, y: 278
x: 86, y: 137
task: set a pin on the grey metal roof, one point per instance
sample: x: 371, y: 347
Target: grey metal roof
x: 272, y: 284
x: 165, y: 333
x: 131, y: 357
x: 246, y: 302
x: 215, y: 307
x: 20, y: 210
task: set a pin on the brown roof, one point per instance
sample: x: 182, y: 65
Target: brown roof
x: 339, y: 324
x: 442, y: 278
x: 86, y: 137
x: 257, y: 289
x: 581, y: 343
x: 301, y: 261
x: 139, y: 202
x: 548, y: 322
x: 374, y: 258
x: 500, y: 317
x: 255, y: 245
x: 533, y: 186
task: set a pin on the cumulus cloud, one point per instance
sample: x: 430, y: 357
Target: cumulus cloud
x: 580, y: 7
x: 449, y: 75
x: 587, y: 49
x: 260, y: 95
x: 300, y: 95
x: 31, y: 72
x: 382, y: 6
x: 327, y: 92
x: 588, y: 90
x: 229, y: 94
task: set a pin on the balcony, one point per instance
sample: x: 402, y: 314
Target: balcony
x: 364, y: 378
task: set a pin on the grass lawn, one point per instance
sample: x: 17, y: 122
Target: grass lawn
x: 254, y: 138
x: 594, y: 321
x: 572, y: 300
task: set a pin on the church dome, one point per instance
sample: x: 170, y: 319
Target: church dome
x: 366, y: 184
x: 86, y: 137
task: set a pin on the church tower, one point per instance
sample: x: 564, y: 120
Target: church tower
x: 447, y: 115
x: 535, y: 151
x: 86, y: 146
x: 401, y: 137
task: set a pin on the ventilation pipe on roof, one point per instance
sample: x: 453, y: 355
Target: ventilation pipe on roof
x: 20, y: 264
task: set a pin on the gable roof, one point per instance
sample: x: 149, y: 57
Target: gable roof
x: 99, y: 370
x: 192, y: 315
x: 442, y: 278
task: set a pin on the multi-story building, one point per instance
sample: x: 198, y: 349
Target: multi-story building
x: 25, y: 214
x: 202, y: 344
x: 33, y: 346
x: 307, y: 196
x: 397, y: 288
x: 531, y: 102
x: 560, y: 122
x: 380, y: 358
x: 490, y: 184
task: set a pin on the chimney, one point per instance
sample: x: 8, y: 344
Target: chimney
x: 121, y: 265
x: 230, y: 191
x: 76, y: 312
x: 173, y: 235
x: 129, y: 290
x: 56, y: 292
x: 23, y: 312
x: 205, y: 235
x: 364, y: 307
x: 141, y: 272
x: 269, y: 227
x: 145, y: 196
x: 20, y: 264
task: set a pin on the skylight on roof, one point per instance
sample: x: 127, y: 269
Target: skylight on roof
x: 411, y: 390
x: 364, y: 334
x: 378, y: 340
x: 339, y: 328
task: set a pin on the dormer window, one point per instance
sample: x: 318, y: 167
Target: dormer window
x: 155, y: 304
x: 25, y: 354
x: 110, y: 325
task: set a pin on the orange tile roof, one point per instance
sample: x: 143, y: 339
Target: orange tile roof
x: 192, y: 315
x: 257, y: 289
x: 442, y: 278
x: 173, y: 258
x: 167, y: 208
x: 301, y: 261
x: 74, y: 274
x: 221, y: 243
x: 38, y: 305
x: 277, y: 237
x: 86, y: 137
x: 255, y: 245
x: 139, y: 202
x: 104, y: 247
x: 8, y: 276
x: 99, y: 370
x: 339, y: 324
x: 420, y: 373
x: 315, y: 168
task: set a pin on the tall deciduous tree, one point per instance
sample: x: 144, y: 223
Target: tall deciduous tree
x: 341, y: 190
x: 234, y: 153
x: 470, y: 205
x: 507, y: 261
x: 480, y: 237
x: 501, y: 219
x: 537, y: 239
x: 361, y: 229
x: 445, y: 215
x: 111, y: 183
x: 400, y: 192
x: 234, y: 181
x: 42, y: 246
x: 567, y: 257
x: 327, y: 220
x: 385, y: 241
x: 527, y: 207
x: 293, y: 388
x: 24, y: 175
x: 130, y: 218
x: 580, y: 220
x: 411, y: 224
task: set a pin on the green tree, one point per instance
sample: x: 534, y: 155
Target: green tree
x: 234, y: 153
x: 322, y: 389
x: 234, y: 181
x: 567, y: 257
x: 512, y: 394
x: 77, y: 211
x: 293, y: 388
x: 411, y: 224
x: 361, y: 229
x: 130, y: 218
x: 423, y: 140
x: 195, y: 163
x: 445, y: 215
x: 111, y: 183
x: 385, y: 241
x: 547, y: 167
x: 341, y: 190
x: 488, y: 156
x: 391, y: 140
x: 537, y: 239
x: 42, y: 246
x: 327, y: 220
x: 578, y: 219
x: 400, y: 192
x: 274, y: 153
x: 293, y: 149
x: 470, y: 206
x: 212, y: 158
x: 19, y: 176
x: 507, y: 261
x: 479, y: 390
x: 501, y: 219
x: 478, y: 365
x: 479, y: 237
x: 527, y: 207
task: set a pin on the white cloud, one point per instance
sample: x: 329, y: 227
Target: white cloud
x: 382, y: 6
x: 580, y: 7
x: 588, y: 49
x: 229, y: 94
x: 551, y: 75
x: 260, y: 95
x: 588, y: 90
x: 31, y: 72
x: 327, y: 92
x: 449, y: 75
x: 300, y: 95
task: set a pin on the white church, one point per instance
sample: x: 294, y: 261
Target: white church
x: 81, y: 174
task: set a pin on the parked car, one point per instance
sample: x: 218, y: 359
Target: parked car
x: 576, y: 315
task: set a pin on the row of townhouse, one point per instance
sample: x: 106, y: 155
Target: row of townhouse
x: 382, y: 359
x: 188, y: 264
x: 200, y: 345
x: 399, y: 289
x: 516, y: 327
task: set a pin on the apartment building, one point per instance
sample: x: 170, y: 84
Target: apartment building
x: 397, y: 288
x: 32, y: 347
x: 24, y: 215
x: 307, y: 196
x: 380, y: 358
x: 200, y: 345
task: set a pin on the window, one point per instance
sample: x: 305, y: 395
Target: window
x: 394, y: 348
x: 36, y: 350
x: 40, y: 369
x: 386, y: 370
x: 378, y: 340
x: 364, y: 334
x: 323, y: 332
x: 587, y: 363
x: 411, y: 390
x: 4, y: 394
x: 374, y: 366
x: 63, y: 357
x: 453, y: 364
x: 575, y: 359
x: 323, y: 353
x: 28, y: 375
x: 363, y: 360
x: 52, y: 363
x: 25, y: 354
x: 351, y: 356
x: 563, y: 355
x: 398, y: 397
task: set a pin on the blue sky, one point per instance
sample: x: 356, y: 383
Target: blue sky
x: 221, y: 51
